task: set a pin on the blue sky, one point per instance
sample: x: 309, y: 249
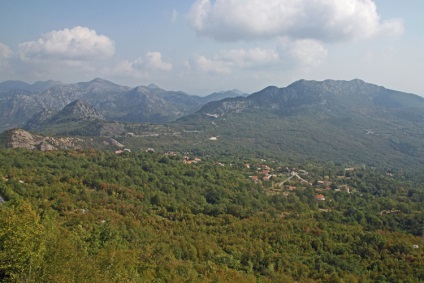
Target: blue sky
x: 202, y: 46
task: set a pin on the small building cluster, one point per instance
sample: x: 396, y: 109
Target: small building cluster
x: 188, y: 160
x: 120, y: 151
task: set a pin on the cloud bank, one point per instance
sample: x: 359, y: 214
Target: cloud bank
x: 141, y: 67
x: 78, y: 43
x: 307, y: 53
x: 322, y: 20
x: 75, y: 52
x: 5, y: 51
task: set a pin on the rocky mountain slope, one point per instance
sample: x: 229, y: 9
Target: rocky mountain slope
x: 75, y: 113
x: 19, y: 101
x: 18, y: 138
x: 341, y: 121
x: 329, y: 95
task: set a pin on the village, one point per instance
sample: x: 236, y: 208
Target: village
x: 278, y: 179
x: 283, y: 180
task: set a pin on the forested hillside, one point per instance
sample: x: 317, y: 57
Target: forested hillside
x: 90, y: 216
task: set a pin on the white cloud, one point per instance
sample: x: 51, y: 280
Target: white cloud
x: 307, y: 52
x: 142, y: 67
x: 324, y: 20
x: 153, y: 61
x: 5, y: 51
x: 79, y: 53
x: 75, y: 44
x: 124, y: 68
x: 6, y: 55
x: 211, y: 66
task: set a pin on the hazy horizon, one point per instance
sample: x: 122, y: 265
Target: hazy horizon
x: 208, y: 46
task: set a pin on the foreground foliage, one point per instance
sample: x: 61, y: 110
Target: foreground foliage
x: 88, y: 216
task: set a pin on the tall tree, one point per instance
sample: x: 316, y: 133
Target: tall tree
x: 21, y: 242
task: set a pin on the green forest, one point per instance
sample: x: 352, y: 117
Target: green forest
x: 97, y: 216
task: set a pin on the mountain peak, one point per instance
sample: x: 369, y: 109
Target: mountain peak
x: 153, y: 86
x: 328, y: 82
x: 99, y: 80
x: 223, y: 94
x: 100, y: 86
x: 14, y: 85
x: 328, y: 95
x: 80, y: 109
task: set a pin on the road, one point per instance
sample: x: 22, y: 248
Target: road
x: 293, y: 174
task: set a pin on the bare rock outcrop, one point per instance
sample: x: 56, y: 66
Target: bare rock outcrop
x: 19, y: 138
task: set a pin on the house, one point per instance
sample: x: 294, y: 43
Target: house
x: 320, y: 197
x: 247, y: 165
x: 255, y: 178
x: 325, y: 184
x: 170, y: 153
x: 187, y: 160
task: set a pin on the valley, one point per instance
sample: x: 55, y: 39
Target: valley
x: 212, y: 141
x: 313, y: 182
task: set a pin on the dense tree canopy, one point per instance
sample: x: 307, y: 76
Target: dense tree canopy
x: 90, y: 216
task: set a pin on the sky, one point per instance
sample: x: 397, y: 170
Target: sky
x: 203, y: 46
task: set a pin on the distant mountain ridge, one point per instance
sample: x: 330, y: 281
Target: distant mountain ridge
x: 78, y: 110
x: 20, y: 101
x: 339, y: 121
x: 73, y: 112
x: 343, y: 121
x: 325, y: 95
x: 20, y: 85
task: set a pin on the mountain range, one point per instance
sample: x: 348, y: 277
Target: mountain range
x: 342, y: 121
x: 349, y: 122
x: 20, y: 101
x: 20, y: 85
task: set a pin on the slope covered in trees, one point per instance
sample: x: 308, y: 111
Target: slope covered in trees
x: 89, y: 216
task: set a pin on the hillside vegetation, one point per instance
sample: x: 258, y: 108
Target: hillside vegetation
x: 89, y: 216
